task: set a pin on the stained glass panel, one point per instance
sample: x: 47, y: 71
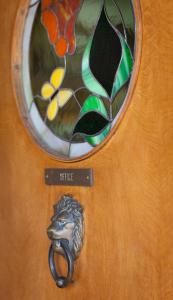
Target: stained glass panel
x: 77, y: 66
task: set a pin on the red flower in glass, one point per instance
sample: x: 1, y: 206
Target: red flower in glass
x: 58, y: 17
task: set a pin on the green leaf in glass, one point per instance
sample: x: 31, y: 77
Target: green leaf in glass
x: 93, y: 103
x: 125, y: 67
x: 90, y: 81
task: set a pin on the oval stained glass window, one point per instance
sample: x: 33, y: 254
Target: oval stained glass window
x: 76, y: 66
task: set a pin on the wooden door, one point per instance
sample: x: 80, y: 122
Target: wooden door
x: 127, y: 253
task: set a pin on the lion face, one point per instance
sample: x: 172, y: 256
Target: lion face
x: 61, y: 228
x: 67, y: 223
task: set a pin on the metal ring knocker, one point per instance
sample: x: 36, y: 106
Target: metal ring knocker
x: 66, y: 235
x: 61, y: 281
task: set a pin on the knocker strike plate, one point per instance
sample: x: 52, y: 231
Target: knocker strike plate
x: 69, y: 177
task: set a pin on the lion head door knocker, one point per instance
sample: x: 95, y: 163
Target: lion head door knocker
x: 66, y: 234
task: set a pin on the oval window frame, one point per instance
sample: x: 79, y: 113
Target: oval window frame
x: 17, y: 58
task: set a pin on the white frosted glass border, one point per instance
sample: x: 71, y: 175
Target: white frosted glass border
x: 25, y: 52
x: 77, y: 149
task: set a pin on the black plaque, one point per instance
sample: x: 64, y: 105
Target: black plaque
x: 69, y: 177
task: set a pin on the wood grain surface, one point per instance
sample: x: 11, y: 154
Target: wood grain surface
x: 128, y: 250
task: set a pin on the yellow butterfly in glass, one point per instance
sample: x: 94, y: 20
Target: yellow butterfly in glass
x: 51, y: 92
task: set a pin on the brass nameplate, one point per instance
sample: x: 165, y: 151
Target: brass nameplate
x: 69, y: 177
